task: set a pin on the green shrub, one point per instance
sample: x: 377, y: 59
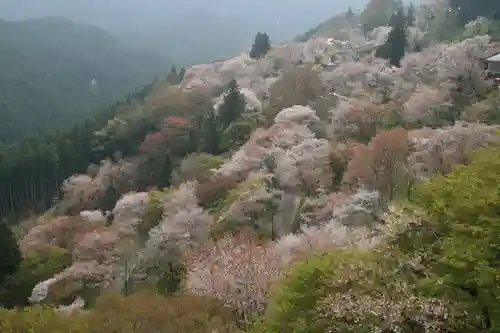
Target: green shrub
x: 37, y: 265
x: 348, y: 291
x: 198, y: 167
x: 37, y: 319
x: 294, y: 307
x: 237, y: 134
x: 153, y: 213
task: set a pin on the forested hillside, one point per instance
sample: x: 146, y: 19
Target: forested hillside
x: 344, y: 185
x: 47, y: 68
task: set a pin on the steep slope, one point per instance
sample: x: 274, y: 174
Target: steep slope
x: 335, y: 139
x: 335, y: 24
x: 329, y: 27
x: 47, y: 70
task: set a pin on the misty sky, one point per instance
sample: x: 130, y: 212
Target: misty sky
x: 293, y: 15
x: 187, y: 26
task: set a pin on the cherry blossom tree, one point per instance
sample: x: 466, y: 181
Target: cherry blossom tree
x: 357, y: 119
x: 184, y: 225
x: 448, y: 65
x: 351, y: 78
x: 238, y: 270
x: 425, y: 106
x: 297, y: 86
x: 439, y: 150
x: 381, y: 164
x: 61, y: 231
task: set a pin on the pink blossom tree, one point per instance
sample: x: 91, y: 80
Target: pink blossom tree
x: 238, y: 270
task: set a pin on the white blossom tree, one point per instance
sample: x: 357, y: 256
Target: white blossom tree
x: 238, y: 270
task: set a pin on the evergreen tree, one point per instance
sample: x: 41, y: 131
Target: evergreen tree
x: 496, y: 15
x: 377, y: 13
x: 233, y: 105
x: 165, y: 170
x: 260, y: 46
x: 211, y: 134
x: 10, y: 257
x: 173, y: 70
x: 182, y: 72
x: 350, y: 14
x: 172, y: 76
x: 410, y: 15
x: 394, y: 47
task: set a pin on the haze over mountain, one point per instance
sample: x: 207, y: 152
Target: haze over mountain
x: 351, y: 173
x: 190, y: 31
x: 48, y: 67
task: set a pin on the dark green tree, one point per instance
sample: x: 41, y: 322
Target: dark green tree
x: 233, y: 105
x: 172, y: 76
x: 394, y: 48
x: 10, y: 255
x: 410, y: 15
x: 460, y: 240
x: 350, y: 14
x: 182, y: 72
x: 211, y: 134
x: 236, y: 134
x: 377, y: 13
x: 260, y: 46
x: 165, y: 171
x: 37, y: 265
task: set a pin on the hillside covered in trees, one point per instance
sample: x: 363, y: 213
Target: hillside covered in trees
x: 47, y: 70
x: 330, y: 185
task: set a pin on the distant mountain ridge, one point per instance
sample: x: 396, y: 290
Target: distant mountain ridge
x: 47, y: 69
x: 200, y: 30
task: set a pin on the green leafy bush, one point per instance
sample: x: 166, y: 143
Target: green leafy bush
x: 37, y: 265
x: 459, y: 239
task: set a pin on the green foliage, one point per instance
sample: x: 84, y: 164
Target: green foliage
x: 350, y: 14
x: 377, y: 13
x: 410, y: 15
x: 226, y: 223
x: 394, y: 47
x: 211, y: 133
x: 153, y: 213
x: 36, y: 319
x: 330, y: 26
x: 348, y: 291
x: 197, y: 167
x: 233, y: 105
x: 261, y: 46
x: 237, y: 134
x: 170, y: 278
x: 146, y: 312
x: 459, y: 238
x: 487, y: 110
x: 10, y: 254
x: 238, y: 193
x: 182, y: 72
x: 173, y: 77
x: 142, y: 312
x: 47, y: 69
x: 32, y: 171
x: 37, y: 265
x: 294, y: 307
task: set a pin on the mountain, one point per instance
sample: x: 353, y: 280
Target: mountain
x: 291, y: 192
x: 331, y: 26
x: 48, y: 71
x: 200, y: 30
